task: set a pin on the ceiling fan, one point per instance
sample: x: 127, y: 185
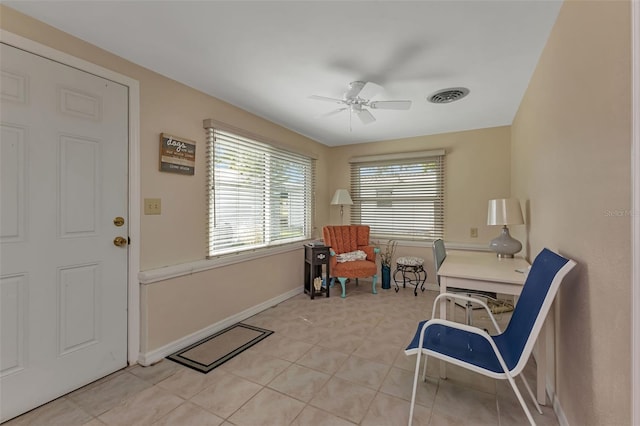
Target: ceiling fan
x: 358, y: 98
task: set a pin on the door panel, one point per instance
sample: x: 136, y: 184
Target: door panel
x: 12, y: 174
x: 79, y: 189
x: 79, y: 307
x: 63, y: 282
x: 13, y: 292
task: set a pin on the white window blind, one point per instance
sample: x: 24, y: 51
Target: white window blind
x: 259, y: 195
x: 399, y: 198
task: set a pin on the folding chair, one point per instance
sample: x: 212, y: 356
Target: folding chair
x: 504, y: 355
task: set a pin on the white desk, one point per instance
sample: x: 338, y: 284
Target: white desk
x: 485, y: 271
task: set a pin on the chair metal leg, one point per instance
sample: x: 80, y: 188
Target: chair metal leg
x: 512, y: 382
x: 533, y: 397
x: 424, y: 369
x: 415, y: 387
x: 452, y: 310
x: 468, y: 312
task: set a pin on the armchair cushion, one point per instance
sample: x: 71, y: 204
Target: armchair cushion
x: 351, y: 256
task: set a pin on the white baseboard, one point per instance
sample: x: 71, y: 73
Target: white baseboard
x: 557, y: 408
x: 151, y: 357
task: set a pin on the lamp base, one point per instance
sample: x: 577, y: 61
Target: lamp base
x: 504, y: 256
x: 505, y: 245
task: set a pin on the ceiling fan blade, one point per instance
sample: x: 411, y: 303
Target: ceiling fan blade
x: 335, y: 111
x: 390, y: 104
x: 365, y: 116
x: 369, y: 90
x: 326, y: 99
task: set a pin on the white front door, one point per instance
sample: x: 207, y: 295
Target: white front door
x: 63, y: 281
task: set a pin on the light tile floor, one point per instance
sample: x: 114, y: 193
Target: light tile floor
x: 331, y: 361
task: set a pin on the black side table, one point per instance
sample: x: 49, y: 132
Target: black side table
x: 314, y: 257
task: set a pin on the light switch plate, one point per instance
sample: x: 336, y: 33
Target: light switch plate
x: 474, y: 233
x: 152, y: 206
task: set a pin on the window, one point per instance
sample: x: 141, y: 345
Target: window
x: 259, y: 195
x: 400, y: 196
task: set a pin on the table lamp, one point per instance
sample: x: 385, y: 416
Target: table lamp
x: 341, y: 197
x: 505, y: 211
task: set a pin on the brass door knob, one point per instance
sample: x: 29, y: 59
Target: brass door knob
x: 120, y: 241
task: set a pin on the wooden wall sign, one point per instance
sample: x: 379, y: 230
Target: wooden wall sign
x: 177, y: 155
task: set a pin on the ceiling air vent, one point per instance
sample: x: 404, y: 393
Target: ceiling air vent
x: 446, y: 96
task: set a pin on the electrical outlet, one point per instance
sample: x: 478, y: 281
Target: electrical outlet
x: 152, y: 206
x: 474, y: 232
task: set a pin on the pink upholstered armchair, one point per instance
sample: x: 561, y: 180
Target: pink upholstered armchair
x: 351, y: 239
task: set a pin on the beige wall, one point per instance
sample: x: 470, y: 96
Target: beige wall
x: 571, y: 144
x: 178, y: 235
x: 190, y: 303
x: 477, y: 166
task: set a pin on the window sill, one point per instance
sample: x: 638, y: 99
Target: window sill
x: 174, y: 271
x: 450, y: 245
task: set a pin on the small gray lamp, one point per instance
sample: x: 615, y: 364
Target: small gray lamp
x: 341, y: 197
x: 505, y: 211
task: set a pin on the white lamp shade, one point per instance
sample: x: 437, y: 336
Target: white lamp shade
x: 504, y: 211
x: 341, y: 197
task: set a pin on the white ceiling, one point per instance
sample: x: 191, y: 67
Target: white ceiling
x: 268, y: 57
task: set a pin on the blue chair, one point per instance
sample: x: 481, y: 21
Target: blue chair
x: 504, y: 355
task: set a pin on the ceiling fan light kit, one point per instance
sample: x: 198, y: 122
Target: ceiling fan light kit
x: 358, y: 98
